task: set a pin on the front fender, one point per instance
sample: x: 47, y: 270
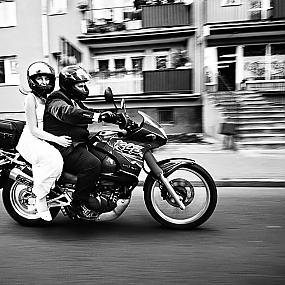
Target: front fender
x: 168, y: 166
x: 171, y: 164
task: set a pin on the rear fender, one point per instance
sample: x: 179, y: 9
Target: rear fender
x: 3, y: 177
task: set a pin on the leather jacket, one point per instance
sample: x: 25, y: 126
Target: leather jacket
x: 64, y: 117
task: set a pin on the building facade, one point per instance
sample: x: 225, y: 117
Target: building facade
x: 35, y: 30
x: 147, y: 51
x: 245, y: 45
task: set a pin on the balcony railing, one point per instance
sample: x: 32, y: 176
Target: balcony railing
x: 169, y: 80
x: 168, y: 15
x: 149, y: 16
x: 134, y: 82
x: 126, y: 82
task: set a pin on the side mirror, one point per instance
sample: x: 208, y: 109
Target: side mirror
x: 108, y: 93
x: 109, y: 98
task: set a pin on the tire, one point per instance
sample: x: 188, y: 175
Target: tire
x: 17, y: 200
x: 196, y: 188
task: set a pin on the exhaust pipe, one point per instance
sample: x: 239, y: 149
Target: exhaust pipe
x: 18, y: 175
x: 122, y: 204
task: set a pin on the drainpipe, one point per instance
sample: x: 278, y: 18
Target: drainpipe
x: 45, y: 34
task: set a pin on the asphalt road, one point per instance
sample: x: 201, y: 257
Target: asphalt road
x: 242, y: 243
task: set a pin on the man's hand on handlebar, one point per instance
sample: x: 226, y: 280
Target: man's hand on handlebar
x: 108, y: 117
x: 119, y: 119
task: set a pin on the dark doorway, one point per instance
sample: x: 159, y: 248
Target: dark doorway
x: 227, y: 76
x: 226, y: 68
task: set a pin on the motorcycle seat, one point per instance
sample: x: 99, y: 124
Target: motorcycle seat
x: 67, y: 177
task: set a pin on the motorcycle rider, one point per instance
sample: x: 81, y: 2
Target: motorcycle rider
x: 66, y: 114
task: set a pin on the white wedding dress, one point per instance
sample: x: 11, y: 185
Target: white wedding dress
x: 46, y: 160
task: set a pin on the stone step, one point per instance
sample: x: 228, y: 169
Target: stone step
x: 261, y: 137
x: 273, y: 118
x: 251, y: 113
x: 262, y: 108
x: 256, y: 104
x: 261, y: 130
x: 259, y: 124
x: 259, y: 144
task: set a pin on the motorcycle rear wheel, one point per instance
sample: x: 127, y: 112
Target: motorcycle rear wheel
x: 17, y: 200
x: 194, y: 186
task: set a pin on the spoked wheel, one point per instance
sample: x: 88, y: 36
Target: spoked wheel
x: 196, y: 190
x: 19, y: 202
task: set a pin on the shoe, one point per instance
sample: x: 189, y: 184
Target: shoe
x: 42, y: 209
x: 46, y: 216
x: 93, y: 203
x: 81, y: 211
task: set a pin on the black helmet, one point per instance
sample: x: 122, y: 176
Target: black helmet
x: 40, y: 68
x: 69, y: 77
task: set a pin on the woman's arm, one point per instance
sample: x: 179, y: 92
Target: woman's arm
x: 31, y: 115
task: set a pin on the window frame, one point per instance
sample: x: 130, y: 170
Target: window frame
x: 13, y: 21
x: 269, y: 60
x: 11, y: 71
x: 53, y: 10
x: 264, y: 10
x: 224, y: 3
x: 170, y: 121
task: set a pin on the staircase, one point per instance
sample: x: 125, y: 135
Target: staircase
x: 260, y: 123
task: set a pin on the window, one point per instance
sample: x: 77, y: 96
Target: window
x: 254, y: 62
x: 7, y: 13
x: 2, y: 71
x: 264, y: 62
x: 260, y: 9
x: 120, y: 64
x: 162, y: 58
x: 161, y: 62
x: 9, y: 71
x: 58, y: 6
x: 254, y: 50
x: 137, y: 63
x: 166, y: 115
x: 69, y: 54
x: 277, y: 60
x: 230, y: 2
x: 103, y: 65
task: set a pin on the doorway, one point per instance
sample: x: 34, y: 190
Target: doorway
x: 226, y: 68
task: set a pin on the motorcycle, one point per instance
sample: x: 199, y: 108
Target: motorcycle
x: 178, y: 193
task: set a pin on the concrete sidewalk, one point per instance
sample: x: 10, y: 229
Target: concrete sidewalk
x: 242, y: 168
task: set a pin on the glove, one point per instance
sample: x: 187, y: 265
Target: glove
x: 108, y: 117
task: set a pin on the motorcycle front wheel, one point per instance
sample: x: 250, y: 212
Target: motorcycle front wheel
x: 195, y: 187
x: 18, y: 201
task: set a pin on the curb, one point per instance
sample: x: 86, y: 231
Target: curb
x: 246, y: 183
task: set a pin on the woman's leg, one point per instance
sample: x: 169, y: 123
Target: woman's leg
x: 46, y: 170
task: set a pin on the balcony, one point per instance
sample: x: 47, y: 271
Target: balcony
x: 146, y: 82
x: 124, y: 82
x: 130, y: 18
x: 169, y: 15
x: 168, y: 81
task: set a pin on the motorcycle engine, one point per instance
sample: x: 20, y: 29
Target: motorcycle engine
x: 107, y: 201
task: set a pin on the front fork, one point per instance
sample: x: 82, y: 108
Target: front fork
x: 158, y: 172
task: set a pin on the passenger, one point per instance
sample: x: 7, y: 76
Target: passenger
x: 46, y: 160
